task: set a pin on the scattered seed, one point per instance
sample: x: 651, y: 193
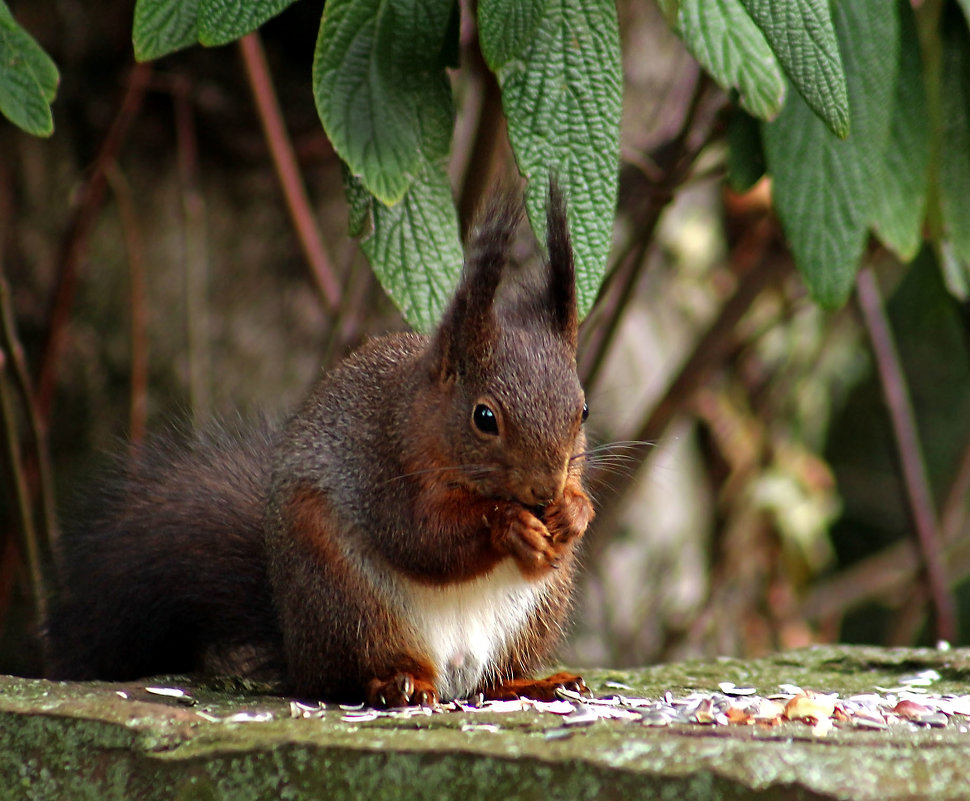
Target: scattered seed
x: 361, y: 717
x: 922, y: 679
x: 488, y: 727
x: 583, y: 716
x: 652, y: 717
x: 554, y: 707
x: 168, y: 692
x: 249, y: 717
x: 730, y: 688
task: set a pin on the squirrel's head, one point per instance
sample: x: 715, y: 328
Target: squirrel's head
x: 504, y: 360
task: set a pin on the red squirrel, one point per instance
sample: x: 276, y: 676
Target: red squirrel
x: 408, y: 537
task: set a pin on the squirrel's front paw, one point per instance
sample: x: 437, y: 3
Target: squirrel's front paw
x: 402, y: 689
x: 525, y: 537
x: 569, y: 517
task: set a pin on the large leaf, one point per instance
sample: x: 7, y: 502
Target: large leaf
x: 558, y: 65
x: 965, y: 5
x: 381, y: 89
x: 28, y: 78
x: 224, y: 21
x: 955, y: 140
x: 899, y: 205
x: 413, y: 246
x: 163, y: 26
x: 723, y: 38
x: 802, y: 36
x: 746, y: 158
x: 824, y: 187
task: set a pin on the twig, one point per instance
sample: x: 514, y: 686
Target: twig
x: 287, y: 170
x: 75, y: 239
x: 631, y: 264
x: 29, y: 542
x: 709, y: 352
x: 139, y: 307
x: 38, y: 463
x: 910, y: 453
x: 953, y: 520
x: 196, y: 256
x: 888, y: 572
x: 672, y: 166
x: 485, y: 147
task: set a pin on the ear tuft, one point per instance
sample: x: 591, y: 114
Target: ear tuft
x: 466, y: 332
x: 562, y: 271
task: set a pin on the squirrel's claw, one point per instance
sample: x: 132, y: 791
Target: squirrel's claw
x: 568, y: 517
x: 402, y: 689
x: 525, y: 537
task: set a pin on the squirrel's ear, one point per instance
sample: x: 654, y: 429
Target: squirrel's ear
x: 562, y: 271
x: 467, y: 330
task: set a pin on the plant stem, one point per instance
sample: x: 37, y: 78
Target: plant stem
x: 29, y: 542
x: 287, y: 170
x: 75, y: 240
x: 911, y: 460
x: 39, y: 451
x: 138, y: 305
x: 196, y: 262
x: 711, y: 350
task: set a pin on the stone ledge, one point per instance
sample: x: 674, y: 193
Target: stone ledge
x: 120, y: 741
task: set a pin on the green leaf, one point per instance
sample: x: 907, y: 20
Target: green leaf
x: 746, y: 159
x: 508, y: 27
x: 414, y: 247
x: 224, y: 21
x: 965, y: 5
x: 801, y: 34
x: 381, y: 89
x: 28, y: 78
x: 722, y: 37
x: 899, y: 205
x: 163, y: 26
x: 956, y: 272
x: 823, y: 187
x: 955, y: 139
x: 670, y: 8
x: 561, y: 92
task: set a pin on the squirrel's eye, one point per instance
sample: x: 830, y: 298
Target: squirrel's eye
x: 484, y: 419
x: 585, y: 411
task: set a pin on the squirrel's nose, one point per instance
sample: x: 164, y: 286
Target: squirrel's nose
x: 541, y: 492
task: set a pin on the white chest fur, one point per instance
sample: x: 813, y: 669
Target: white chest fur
x: 466, y: 627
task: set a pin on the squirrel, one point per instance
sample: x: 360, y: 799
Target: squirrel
x: 408, y: 537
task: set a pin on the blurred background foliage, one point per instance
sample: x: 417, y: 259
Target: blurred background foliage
x: 148, y: 246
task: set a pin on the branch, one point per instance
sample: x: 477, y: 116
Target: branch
x: 196, y: 263
x: 713, y: 348
x: 75, y: 240
x: 30, y: 544
x: 287, y: 170
x: 138, y: 305
x: 910, y: 454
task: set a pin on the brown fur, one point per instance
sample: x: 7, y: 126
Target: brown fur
x: 385, y: 505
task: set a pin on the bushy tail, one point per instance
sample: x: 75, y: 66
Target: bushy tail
x: 163, y: 568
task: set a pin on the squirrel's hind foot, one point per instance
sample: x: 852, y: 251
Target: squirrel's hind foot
x: 537, y: 689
